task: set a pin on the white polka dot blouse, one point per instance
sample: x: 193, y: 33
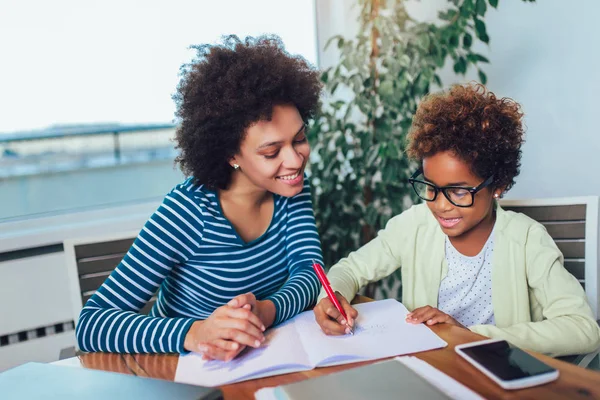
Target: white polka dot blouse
x: 466, y: 292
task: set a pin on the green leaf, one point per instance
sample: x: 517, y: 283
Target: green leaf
x: 440, y: 58
x: 404, y: 60
x: 453, y: 40
x: 447, y: 15
x: 481, y: 31
x: 372, y: 155
x: 424, y: 41
x: 371, y: 214
x: 474, y: 58
x: 467, y: 9
x: 338, y: 104
x: 467, y: 40
x: 332, y: 39
x: 481, y: 7
x: 494, y: 3
x: 482, y: 77
x: 422, y: 85
x: 334, y: 87
x: 389, y: 172
x: 386, y: 89
x: 460, y: 66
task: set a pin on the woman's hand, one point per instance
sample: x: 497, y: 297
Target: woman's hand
x: 431, y: 316
x: 331, y: 320
x: 263, y: 309
x: 226, y: 332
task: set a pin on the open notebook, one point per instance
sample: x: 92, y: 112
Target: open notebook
x: 299, y: 345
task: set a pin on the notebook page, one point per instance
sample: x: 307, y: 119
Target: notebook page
x: 281, y: 353
x: 381, y: 331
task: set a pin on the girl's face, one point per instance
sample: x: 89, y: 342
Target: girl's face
x: 445, y: 169
x: 273, y: 154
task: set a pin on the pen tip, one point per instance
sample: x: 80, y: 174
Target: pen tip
x: 350, y: 329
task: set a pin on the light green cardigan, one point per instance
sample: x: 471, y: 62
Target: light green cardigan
x: 538, y: 305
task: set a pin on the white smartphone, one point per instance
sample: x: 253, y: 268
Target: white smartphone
x: 505, y: 364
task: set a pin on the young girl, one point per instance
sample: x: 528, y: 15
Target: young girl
x: 229, y: 250
x: 464, y: 260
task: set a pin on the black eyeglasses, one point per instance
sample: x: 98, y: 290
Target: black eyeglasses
x: 460, y: 196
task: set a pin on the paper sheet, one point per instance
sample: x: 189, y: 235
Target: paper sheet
x: 299, y: 345
x: 280, y: 353
x: 381, y: 331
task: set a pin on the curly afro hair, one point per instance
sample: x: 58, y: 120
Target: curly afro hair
x: 484, y: 131
x: 227, y: 88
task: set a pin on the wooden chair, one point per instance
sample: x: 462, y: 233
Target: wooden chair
x: 573, y: 224
x: 89, y: 262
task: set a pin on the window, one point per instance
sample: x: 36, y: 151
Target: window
x: 95, y: 78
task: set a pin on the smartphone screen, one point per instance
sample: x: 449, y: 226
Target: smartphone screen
x: 507, y: 362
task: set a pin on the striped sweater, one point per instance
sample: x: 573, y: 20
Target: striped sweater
x: 191, y: 254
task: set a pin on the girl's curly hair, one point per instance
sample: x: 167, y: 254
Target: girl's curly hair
x: 484, y: 131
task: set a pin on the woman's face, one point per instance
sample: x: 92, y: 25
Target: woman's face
x: 445, y: 169
x: 273, y: 154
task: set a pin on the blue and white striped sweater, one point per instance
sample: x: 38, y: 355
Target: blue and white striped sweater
x: 191, y: 252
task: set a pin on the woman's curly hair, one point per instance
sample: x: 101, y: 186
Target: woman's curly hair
x: 470, y: 121
x: 227, y: 88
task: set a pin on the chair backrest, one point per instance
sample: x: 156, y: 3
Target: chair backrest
x: 573, y: 224
x: 90, y: 261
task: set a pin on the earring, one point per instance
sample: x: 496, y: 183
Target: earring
x: 496, y: 195
x: 236, y: 166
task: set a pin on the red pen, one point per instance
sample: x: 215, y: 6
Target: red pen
x: 326, y: 285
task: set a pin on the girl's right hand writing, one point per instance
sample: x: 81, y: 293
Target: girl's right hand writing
x: 331, y: 321
x: 225, y: 333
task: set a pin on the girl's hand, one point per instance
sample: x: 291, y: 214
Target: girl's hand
x: 331, y: 320
x: 431, y: 316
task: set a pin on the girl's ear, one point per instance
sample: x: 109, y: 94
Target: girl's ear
x: 498, y: 192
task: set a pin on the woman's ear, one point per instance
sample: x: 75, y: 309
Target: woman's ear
x: 234, y: 164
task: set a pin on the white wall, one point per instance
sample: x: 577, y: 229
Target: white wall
x: 334, y: 17
x: 545, y: 56
x: 35, y: 289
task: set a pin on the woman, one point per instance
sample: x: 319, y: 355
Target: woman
x: 229, y: 250
x: 464, y: 260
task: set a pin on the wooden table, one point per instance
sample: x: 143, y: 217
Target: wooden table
x: 574, y: 382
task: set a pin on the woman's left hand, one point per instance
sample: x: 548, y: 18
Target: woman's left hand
x: 431, y: 316
x: 264, y: 310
